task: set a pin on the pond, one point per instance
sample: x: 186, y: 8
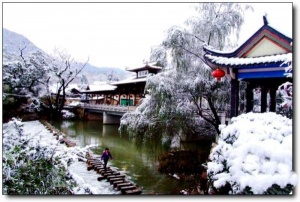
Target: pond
x: 138, y: 162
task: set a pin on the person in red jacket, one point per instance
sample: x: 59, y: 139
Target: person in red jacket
x: 105, y: 156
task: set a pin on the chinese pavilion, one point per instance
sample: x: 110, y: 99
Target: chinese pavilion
x: 260, y: 62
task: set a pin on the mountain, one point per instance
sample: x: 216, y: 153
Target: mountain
x: 14, y: 42
x: 92, y: 72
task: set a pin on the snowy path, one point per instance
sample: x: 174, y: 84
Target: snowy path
x: 86, y: 180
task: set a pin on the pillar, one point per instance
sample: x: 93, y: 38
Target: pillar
x: 249, y: 98
x: 263, y: 104
x: 110, y: 119
x: 234, y: 102
x: 273, y: 100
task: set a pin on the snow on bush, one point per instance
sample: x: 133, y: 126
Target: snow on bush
x: 254, y: 155
x: 34, y: 162
x: 67, y: 114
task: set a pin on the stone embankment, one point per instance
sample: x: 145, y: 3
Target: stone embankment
x: 59, y: 135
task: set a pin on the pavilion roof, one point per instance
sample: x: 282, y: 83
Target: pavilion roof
x: 236, y: 61
x: 265, y: 31
x: 130, y: 80
x: 99, y: 88
x: 146, y: 67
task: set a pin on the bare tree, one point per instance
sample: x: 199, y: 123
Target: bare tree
x: 65, y: 70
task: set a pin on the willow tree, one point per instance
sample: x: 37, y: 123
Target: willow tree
x: 185, y: 97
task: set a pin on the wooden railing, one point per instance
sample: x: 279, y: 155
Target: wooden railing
x: 114, y: 108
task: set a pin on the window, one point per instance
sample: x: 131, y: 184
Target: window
x: 143, y: 73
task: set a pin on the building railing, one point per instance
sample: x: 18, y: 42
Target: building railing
x: 114, y: 108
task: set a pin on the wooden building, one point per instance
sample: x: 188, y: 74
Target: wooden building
x: 131, y: 91
x: 99, y: 94
x: 128, y: 92
x: 260, y: 62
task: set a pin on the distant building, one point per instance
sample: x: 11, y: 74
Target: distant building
x: 128, y: 92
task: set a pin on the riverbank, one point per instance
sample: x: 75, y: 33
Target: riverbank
x: 186, y: 184
x: 39, y: 140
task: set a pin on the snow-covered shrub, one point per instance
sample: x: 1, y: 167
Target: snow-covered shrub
x: 254, y: 156
x: 285, y: 95
x: 30, y: 165
x: 285, y: 90
x: 67, y: 114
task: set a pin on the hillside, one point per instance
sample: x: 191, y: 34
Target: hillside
x: 14, y: 42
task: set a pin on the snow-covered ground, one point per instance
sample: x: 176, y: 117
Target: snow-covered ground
x: 38, y: 135
x: 88, y: 180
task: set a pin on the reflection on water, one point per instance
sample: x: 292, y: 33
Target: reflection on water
x: 138, y: 162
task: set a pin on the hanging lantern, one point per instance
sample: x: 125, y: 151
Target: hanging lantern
x: 218, y: 74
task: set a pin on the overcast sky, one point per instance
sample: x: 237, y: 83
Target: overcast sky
x: 117, y: 34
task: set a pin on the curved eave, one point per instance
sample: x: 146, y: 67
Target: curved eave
x: 129, y: 83
x: 223, y: 62
x: 98, y: 91
x: 147, y: 67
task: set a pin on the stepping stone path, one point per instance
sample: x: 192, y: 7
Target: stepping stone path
x: 118, y: 180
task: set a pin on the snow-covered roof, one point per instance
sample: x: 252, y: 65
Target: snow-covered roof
x: 96, y: 98
x: 212, y: 49
x: 54, y: 88
x: 249, y: 61
x: 100, y: 87
x: 130, y: 80
x: 147, y: 66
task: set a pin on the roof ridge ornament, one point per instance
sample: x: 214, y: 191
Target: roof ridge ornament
x: 265, y: 19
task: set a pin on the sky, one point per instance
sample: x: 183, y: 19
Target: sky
x: 118, y: 34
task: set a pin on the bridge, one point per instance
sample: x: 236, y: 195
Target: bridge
x: 109, y: 114
x: 117, y: 110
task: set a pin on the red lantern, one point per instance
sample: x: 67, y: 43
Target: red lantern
x: 218, y: 74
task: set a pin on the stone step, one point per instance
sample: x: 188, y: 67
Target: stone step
x: 106, y: 171
x: 101, y: 178
x: 102, y: 170
x: 118, y: 180
x: 95, y: 162
x: 115, y: 179
x: 115, y: 176
x: 133, y: 191
x: 90, y: 167
x: 125, y: 184
x: 111, y: 173
x: 115, y: 183
x: 123, y: 189
x: 90, y: 161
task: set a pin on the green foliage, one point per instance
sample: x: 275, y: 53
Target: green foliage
x: 273, y: 190
x: 37, y: 177
x: 31, y: 169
